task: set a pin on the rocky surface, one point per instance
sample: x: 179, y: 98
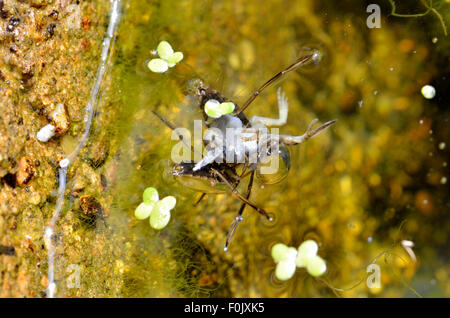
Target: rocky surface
x: 49, y: 52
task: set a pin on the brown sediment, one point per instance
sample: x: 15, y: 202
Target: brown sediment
x: 89, y: 205
x: 26, y: 171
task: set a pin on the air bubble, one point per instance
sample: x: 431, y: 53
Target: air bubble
x: 428, y: 91
x: 271, y: 221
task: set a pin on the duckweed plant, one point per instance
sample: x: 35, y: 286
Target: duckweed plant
x: 168, y: 58
x: 288, y: 258
x: 157, y: 210
x: 215, y: 109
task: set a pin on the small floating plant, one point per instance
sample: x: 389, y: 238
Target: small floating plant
x: 289, y: 258
x: 157, y: 210
x: 167, y: 58
x: 215, y: 109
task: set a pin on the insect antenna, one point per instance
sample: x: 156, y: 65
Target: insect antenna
x: 171, y: 126
x: 301, y: 61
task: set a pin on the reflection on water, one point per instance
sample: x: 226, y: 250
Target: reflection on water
x: 374, y: 179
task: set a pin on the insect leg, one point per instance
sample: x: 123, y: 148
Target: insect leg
x: 238, y: 219
x: 240, y: 196
x: 282, y: 111
x: 295, y: 140
x: 199, y: 199
x: 301, y: 61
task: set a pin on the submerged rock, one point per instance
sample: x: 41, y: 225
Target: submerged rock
x: 60, y: 119
x: 90, y: 205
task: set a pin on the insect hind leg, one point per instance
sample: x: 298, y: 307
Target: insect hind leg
x: 283, y: 108
x: 310, y: 133
x: 238, y: 219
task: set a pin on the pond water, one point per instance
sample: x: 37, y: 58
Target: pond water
x: 364, y: 189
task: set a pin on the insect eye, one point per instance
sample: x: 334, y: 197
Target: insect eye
x: 276, y: 168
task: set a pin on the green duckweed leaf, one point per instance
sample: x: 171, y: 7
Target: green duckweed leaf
x: 226, y: 108
x: 212, y: 108
x: 168, y: 203
x: 279, y: 251
x: 159, y: 217
x: 316, y: 266
x: 150, y: 195
x: 158, y: 65
x: 285, y: 270
x: 164, y: 50
x: 306, y: 250
x: 143, y: 210
x: 174, y: 58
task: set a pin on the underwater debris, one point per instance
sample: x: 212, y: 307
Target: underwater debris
x: 215, y: 109
x: 91, y: 210
x: 7, y: 250
x: 60, y: 119
x: 408, y: 245
x: 157, y: 210
x: 429, y: 7
x: 89, y: 205
x: 168, y: 58
x: 26, y: 172
x: 45, y: 133
x: 288, y: 258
